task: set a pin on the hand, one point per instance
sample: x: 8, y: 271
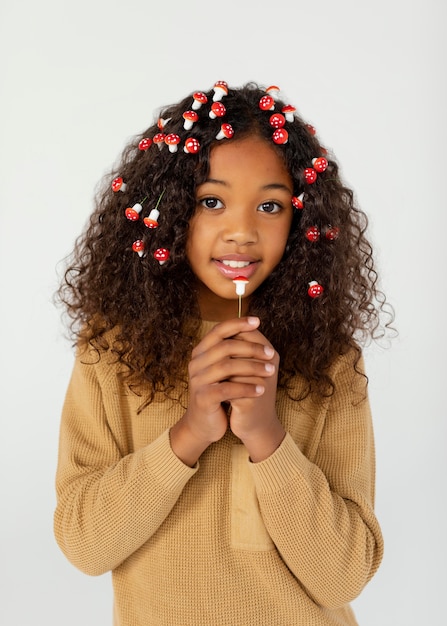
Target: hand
x: 224, y: 367
x: 254, y: 419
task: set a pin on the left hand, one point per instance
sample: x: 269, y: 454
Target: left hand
x: 254, y: 419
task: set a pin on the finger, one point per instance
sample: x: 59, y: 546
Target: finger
x: 225, y: 330
x: 226, y: 350
x: 210, y: 398
x: 231, y: 391
x: 253, y: 335
x: 232, y: 369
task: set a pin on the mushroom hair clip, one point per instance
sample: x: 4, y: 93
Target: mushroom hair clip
x: 118, y: 184
x: 280, y: 135
x: 220, y: 90
x: 297, y: 202
x: 162, y: 255
x: 315, y: 290
x: 319, y: 165
x: 151, y: 220
x: 133, y: 213
x: 199, y: 98
x: 139, y: 247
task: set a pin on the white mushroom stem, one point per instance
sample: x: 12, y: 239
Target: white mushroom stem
x: 162, y: 122
x: 219, y: 93
x: 240, y: 287
x: 154, y: 214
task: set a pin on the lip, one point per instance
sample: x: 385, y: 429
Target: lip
x: 233, y: 272
x: 236, y: 257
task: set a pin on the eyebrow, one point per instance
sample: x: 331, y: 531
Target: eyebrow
x: 270, y: 186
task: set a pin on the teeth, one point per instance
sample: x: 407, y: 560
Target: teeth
x: 237, y: 264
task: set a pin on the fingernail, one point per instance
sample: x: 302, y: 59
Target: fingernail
x: 269, y: 351
x: 269, y: 367
x: 253, y: 321
x: 259, y: 389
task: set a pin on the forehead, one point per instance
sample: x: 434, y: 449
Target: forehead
x: 249, y: 157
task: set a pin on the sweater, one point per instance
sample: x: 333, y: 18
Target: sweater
x: 288, y: 541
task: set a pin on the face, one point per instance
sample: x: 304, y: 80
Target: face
x: 241, y: 223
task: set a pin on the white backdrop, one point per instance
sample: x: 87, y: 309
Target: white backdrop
x: 78, y: 79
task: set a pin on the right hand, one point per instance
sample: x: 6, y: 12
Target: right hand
x: 217, y: 358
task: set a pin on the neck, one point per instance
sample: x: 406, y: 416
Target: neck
x: 217, y: 309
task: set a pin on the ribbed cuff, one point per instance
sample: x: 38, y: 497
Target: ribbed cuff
x: 168, y: 470
x: 279, y: 468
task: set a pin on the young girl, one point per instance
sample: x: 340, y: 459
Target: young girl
x: 216, y: 447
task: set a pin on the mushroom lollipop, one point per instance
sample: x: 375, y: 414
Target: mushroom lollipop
x: 241, y: 283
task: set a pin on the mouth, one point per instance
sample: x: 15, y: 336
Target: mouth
x: 235, y: 264
x: 232, y: 266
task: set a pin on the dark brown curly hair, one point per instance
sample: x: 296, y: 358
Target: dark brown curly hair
x: 153, y: 308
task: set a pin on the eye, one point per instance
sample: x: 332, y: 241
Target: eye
x: 270, y: 207
x: 211, y: 203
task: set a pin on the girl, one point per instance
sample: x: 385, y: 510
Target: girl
x: 216, y: 447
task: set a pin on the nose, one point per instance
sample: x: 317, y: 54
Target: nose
x: 240, y: 227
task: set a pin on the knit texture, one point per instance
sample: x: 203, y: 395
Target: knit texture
x: 289, y: 541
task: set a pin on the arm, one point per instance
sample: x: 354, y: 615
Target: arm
x: 320, y: 514
x: 109, y: 503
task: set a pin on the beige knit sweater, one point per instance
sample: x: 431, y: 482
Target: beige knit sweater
x: 289, y: 541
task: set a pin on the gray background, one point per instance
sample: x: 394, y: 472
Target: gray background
x: 78, y: 79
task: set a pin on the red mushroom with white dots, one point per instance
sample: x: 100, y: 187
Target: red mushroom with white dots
x: 266, y: 103
x: 138, y: 246
x: 172, y: 140
x: 288, y: 111
x: 332, y: 233
x: 297, y: 201
x: 118, y: 184
x: 310, y: 175
x: 199, y: 98
x: 315, y: 289
x: 192, y: 146
x: 151, y: 220
x: 277, y: 120
x: 319, y: 164
x: 226, y: 131
x: 217, y: 110
x: 220, y: 90
x: 133, y: 213
x: 159, y: 140
x: 145, y: 144
x: 313, y: 233
x: 190, y: 118
x: 280, y: 136
x: 161, y: 255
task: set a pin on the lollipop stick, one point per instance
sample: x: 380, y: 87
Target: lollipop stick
x: 240, y: 307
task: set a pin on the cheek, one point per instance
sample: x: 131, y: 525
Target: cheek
x: 280, y: 235
x: 191, y: 239
x: 197, y: 241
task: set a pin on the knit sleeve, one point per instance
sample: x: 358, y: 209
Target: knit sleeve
x: 108, y: 503
x: 320, y: 514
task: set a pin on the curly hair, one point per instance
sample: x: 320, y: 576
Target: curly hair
x: 153, y: 309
